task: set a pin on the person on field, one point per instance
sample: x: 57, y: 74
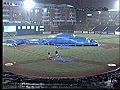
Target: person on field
x: 15, y: 45
x: 49, y: 56
x: 57, y: 47
x: 56, y: 53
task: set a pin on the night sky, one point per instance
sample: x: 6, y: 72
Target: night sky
x: 82, y: 3
x: 110, y: 4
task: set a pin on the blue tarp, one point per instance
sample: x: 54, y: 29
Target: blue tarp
x: 58, y: 39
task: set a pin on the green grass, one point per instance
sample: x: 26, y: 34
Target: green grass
x: 19, y: 55
x: 39, y: 52
x: 25, y: 37
x: 114, y: 40
x: 59, y: 66
x: 103, y: 56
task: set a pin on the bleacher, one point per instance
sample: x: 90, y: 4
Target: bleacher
x: 102, y: 81
x: 118, y: 29
x: 106, y: 29
x: 99, y: 28
x: 110, y: 28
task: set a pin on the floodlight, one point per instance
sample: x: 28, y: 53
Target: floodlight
x: 116, y: 7
x: 70, y: 6
x: 45, y: 9
x: 29, y: 4
x: 117, y: 4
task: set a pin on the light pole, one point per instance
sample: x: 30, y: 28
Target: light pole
x: 28, y: 4
x: 116, y: 6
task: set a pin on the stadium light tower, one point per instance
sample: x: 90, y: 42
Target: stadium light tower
x: 29, y: 4
x: 117, y: 4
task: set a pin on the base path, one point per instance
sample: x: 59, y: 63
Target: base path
x: 101, y: 69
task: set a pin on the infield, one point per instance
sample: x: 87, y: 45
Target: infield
x: 89, y: 60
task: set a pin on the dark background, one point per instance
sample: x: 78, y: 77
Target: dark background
x: 82, y: 3
x: 80, y: 15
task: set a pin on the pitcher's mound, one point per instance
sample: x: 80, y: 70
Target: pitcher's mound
x: 62, y: 58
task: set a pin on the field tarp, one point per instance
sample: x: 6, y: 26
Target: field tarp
x: 57, y: 39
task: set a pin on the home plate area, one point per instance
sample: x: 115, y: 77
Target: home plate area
x: 62, y: 58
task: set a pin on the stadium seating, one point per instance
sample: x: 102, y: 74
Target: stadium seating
x: 105, y: 28
x: 110, y: 29
x: 107, y: 80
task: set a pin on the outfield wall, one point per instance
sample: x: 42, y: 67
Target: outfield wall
x: 96, y: 32
x: 36, y: 29
x: 39, y: 29
x: 20, y: 29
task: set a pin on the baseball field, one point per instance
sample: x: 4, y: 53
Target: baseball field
x: 32, y: 60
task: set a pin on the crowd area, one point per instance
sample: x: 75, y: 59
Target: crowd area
x: 107, y: 80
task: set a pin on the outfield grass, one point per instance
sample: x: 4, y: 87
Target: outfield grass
x: 59, y: 66
x: 103, y: 55
x: 39, y: 53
